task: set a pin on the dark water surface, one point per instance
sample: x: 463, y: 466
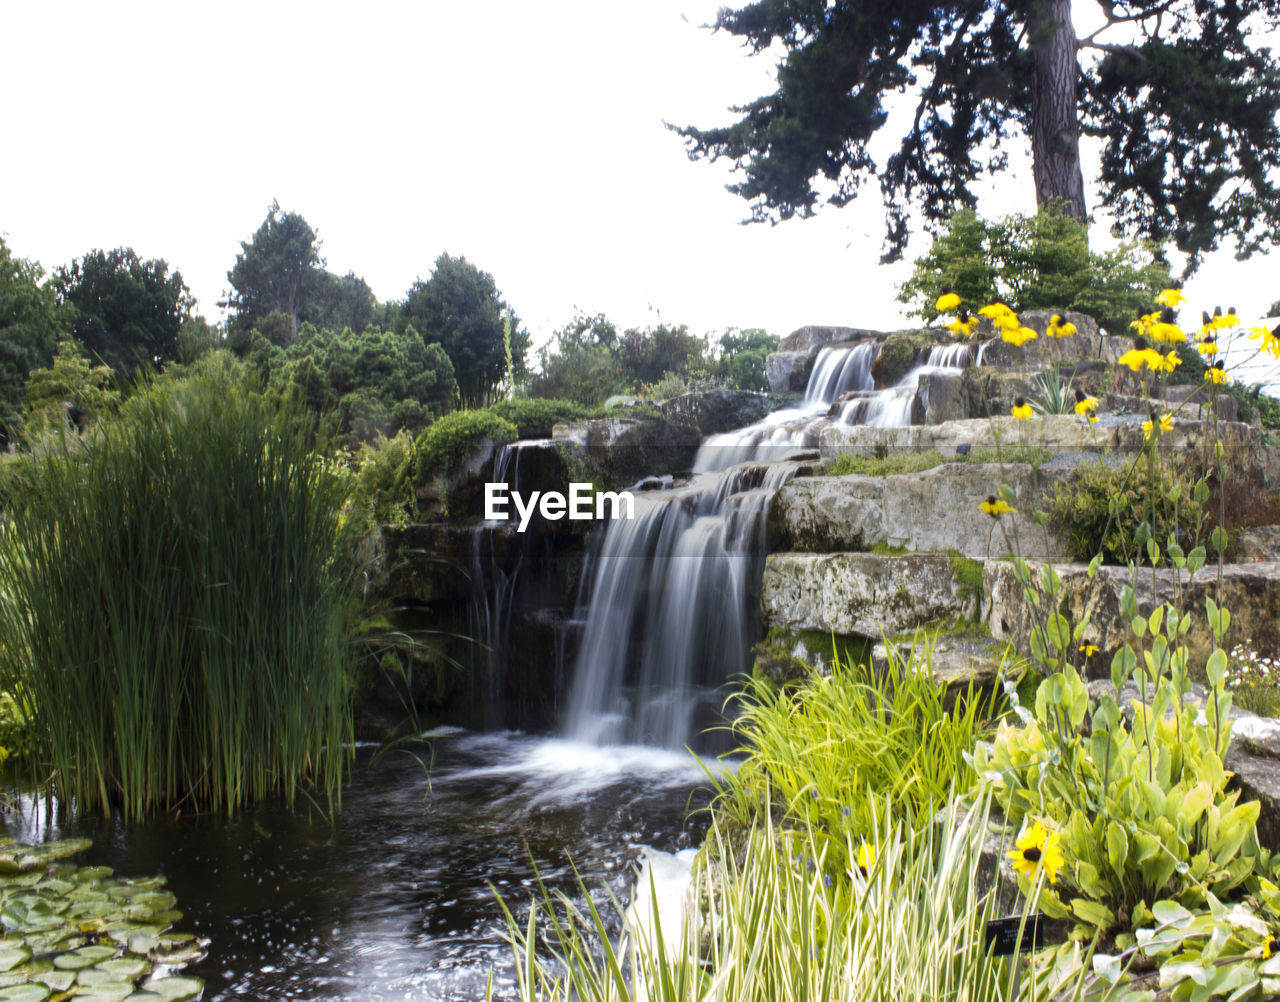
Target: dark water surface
x: 392, y: 900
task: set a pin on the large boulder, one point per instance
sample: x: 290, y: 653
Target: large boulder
x: 1045, y: 350
x: 625, y: 449
x: 860, y: 593
x: 935, y: 509
x: 1250, y: 591
x: 956, y: 663
x: 716, y: 411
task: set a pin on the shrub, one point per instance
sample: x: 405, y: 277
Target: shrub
x: 175, y: 605
x: 384, y: 481
x: 1100, y: 506
x: 454, y: 437
x: 534, y: 416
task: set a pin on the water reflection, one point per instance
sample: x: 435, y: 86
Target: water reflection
x: 392, y: 901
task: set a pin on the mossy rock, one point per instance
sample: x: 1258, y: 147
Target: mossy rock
x: 897, y: 355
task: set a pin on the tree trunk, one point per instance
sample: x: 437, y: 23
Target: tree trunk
x: 1055, y: 112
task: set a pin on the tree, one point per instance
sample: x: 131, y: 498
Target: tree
x: 279, y: 268
x: 742, y: 357
x: 341, y: 301
x: 1034, y: 263
x: 579, y: 363
x: 70, y: 379
x: 460, y: 309
x: 125, y: 311
x: 1185, y: 108
x: 29, y: 328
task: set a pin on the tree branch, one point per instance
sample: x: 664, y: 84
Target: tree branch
x: 1132, y: 51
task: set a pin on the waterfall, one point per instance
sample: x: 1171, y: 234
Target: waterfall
x: 672, y: 609
x: 892, y: 407
x: 839, y: 370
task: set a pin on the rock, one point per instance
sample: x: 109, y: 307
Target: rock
x: 941, y: 395
x: 788, y: 368
x: 1247, y: 460
x: 788, y: 371
x: 986, y: 391
x: 1260, y: 545
x: 933, y: 510
x: 1259, y: 779
x: 1250, y: 591
x: 716, y: 411
x: 809, y: 339
x: 898, y: 354
x: 626, y: 449
x: 860, y: 593
x: 956, y: 663
x: 1045, y: 350
x: 1193, y: 403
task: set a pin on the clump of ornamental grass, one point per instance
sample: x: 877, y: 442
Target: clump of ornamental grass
x: 173, y: 596
x: 909, y: 924
x: 815, y: 750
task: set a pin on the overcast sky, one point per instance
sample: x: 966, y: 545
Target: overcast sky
x: 528, y: 137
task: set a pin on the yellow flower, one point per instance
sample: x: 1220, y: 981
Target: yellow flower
x: 964, y: 325
x: 1018, y: 336
x: 1021, y: 409
x: 1137, y: 358
x: 1168, y: 332
x: 1059, y: 327
x: 866, y: 858
x: 1171, y: 297
x: 1038, y: 848
x: 1166, y: 424
x: 995, y: 507
x: 1144, y: 322
x: 1270, y: 339
x: 1229, y: 319
x: 1216, y: 374
x: 1093, y: 418
x: 1208, y: 347
x: 1085, y: 404
x: 1169, y: 362
x: 1088, y: 650
x: 998, y: 314
x: 947, y: 301
x: 1268, y: 944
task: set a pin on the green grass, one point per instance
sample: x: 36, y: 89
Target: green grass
x: 928, y: 459
x: 174, y: 605
x: 780, y: 921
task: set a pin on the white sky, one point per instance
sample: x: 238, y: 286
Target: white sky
x: 528, y: 137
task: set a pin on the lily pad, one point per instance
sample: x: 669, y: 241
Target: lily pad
x: 59, y: 981
x: 87, y: 874
x: 174, y: 988
x: 86, y: 956
x: 12, y: 956
x: 25, y: 993
x: 124, y: 967
x: 115, y: 991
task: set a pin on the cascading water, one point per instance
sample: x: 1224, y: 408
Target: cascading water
x: 670, y: 608
x: 670, y: 614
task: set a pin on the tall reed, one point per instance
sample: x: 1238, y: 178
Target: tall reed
x: 173, y: 598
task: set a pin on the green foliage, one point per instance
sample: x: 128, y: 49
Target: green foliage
x: 29, y: 330
x: 1144, y: 810
x: 535, y: 416
x: 1187, y: 118
x: 175, y: 602
x: 70, y: 379
x: 774, y: 925
x: 126, y: 312
x: 881, y: 466
x: 742, y: 358
x: 455, y: 437
x: 361, y: 385
x: 1100, y: 507
x: 817, y: 748
x: 580, y: 363
x: 647, y: 354
x: 1051, y: 394
x: 460, y: 308
x: 383, y: 493
x: 1035, y: 263
x: 278, y: 269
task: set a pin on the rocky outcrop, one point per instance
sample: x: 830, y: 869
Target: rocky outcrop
x: 1247, y: 459
x: 1258, y: 545
x: 626, y: 449
x: 1250, y: 591
x: 1045, y: 351
x: 716, y: 411
x: 860, y: 593
x: 933, y: 510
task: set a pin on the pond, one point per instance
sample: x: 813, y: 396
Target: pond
x: 392, y: 901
